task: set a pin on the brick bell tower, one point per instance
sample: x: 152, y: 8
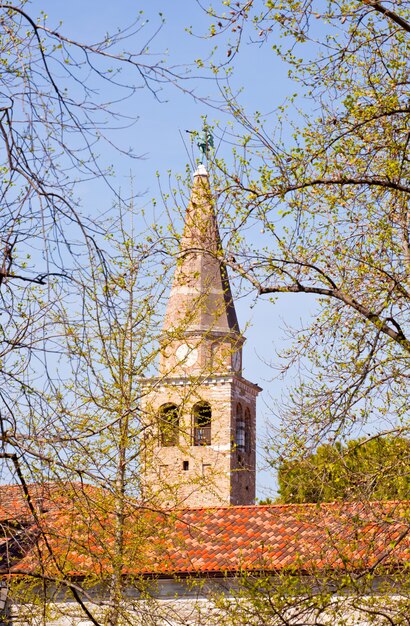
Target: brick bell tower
x: 200, y: 411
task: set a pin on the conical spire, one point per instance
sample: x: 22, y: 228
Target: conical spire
x: 201, y: 300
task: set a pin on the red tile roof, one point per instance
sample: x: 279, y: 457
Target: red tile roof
x: 73, y: 532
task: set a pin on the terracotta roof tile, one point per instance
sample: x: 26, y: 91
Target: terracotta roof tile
x: 77, y: 524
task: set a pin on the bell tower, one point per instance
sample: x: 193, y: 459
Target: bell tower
x: 200, y: 411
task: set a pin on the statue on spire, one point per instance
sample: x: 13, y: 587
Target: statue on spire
x: 205, y: 141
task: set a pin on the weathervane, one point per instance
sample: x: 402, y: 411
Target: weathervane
x: 204, y: 141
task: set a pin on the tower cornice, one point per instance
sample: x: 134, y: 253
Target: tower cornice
x: 198, y: 381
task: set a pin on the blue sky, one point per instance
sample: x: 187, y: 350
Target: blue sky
x: 156, y: 136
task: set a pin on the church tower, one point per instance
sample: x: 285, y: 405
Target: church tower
x: 200, y: 411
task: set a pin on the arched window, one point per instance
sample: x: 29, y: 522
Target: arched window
x: 201, y: 419
x: 168, y: 424
x: 240, y: 429
x: 248, y: 431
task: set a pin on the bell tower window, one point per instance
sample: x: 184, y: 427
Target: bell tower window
x: 240, y: 435
x: 202, y: 418
x: 168, y: 425
x: 248, y: 432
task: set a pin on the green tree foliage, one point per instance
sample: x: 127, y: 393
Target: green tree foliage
x: 325, y: 181
x: 323, y: 184
x: 78, y: 292
x: 375, y: 469
x: 56, y: 105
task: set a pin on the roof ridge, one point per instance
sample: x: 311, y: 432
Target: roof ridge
x: 288, y: 505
